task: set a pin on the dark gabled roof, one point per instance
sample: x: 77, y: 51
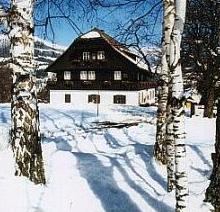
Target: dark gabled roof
x: 121, y: 49
x: 112, y: 41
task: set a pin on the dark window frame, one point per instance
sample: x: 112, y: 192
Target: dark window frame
x: 67, y: 75
x: 86, y: 56
x: 94, y: 98
x: 67, y: 98
x: 101, y: 55
x: 119, y: 99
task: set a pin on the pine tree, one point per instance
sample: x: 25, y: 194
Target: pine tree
x: 198, y: 51
x: 25, y: 136
x: 212, y: 192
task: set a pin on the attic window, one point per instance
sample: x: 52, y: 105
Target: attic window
x: 86, y: 55
x: 117, y: 75
x: 93, y: 56
x: 67, y: 75
x: 100, y: 55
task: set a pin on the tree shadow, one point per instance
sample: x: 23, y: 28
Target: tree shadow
x: 128, y: 163
x: 201, y: 155
x: 111, y: 140
x: 5, y: 115
x: 203, y: 172
x: 146, y: 154
x: 61, y: 143
x: 158, y: 205
x: 101, y: 178
x: 3, y: 118
x: 103, y: 184
x: 83, y: 116
x: 45, y: 117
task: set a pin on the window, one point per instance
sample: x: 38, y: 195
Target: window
x: 91, y: 75
x: 117, y: 75
x: 83, y: 75
x: 125, y: 76
x: 94, y: 98
x: 93, y: 56
x: 100, y: 55
x: 119, y: 99
x: 67, y: 75
x: 86, y: 55
x: 87, y: 75
x: 67, y: 98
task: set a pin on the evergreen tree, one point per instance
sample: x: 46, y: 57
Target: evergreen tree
x: 198, y: 50
x: 212, y: 192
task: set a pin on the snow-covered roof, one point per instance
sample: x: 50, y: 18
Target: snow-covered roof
x: 192, y: 95
x: 91, y: 34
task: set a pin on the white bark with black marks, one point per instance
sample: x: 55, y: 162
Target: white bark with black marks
x: 177, y: 102
x: 25, y: 136
x: 170, y: 149
x: 160, y: 145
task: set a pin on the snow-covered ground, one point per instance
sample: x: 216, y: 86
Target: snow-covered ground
x: 93, y: 168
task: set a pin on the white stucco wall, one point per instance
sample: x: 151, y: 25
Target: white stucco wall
x: 80, y: 97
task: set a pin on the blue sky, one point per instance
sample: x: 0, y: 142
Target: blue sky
x: 107, y: 19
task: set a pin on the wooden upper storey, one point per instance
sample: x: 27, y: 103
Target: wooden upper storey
x: 101, y: 58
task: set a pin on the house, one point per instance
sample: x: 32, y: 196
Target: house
x: 98, y: 69
x: 192, y: 100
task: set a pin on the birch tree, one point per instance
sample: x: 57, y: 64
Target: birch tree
x: 160, y: 145
x: 177, y: 102
x: 169, y: 11
x: 25, y: 136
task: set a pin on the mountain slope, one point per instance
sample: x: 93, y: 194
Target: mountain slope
x: 45, y: 52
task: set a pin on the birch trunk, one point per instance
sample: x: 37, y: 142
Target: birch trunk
x: 177, y: 107
x: 25, y: 136
x: 170, y: 148
x: 160, y: 144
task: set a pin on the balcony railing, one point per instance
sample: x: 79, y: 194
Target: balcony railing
x: 100, y: 85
